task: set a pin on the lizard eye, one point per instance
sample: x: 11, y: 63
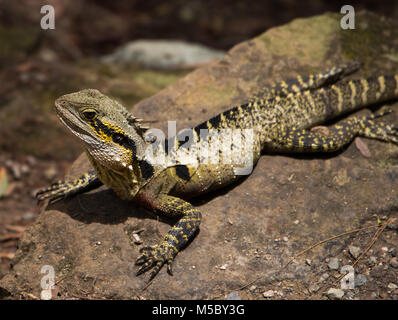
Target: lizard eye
x: 89, y: 114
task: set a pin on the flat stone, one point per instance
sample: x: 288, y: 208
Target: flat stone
x: 334, y: 293
x: 354, y: 251
x: 334, y: 264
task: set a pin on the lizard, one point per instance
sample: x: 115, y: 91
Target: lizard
x: 279, y: 117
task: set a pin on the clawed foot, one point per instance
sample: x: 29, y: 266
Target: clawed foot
x: 380, y: 130
x: 55, y: 192
x: 155, y: 257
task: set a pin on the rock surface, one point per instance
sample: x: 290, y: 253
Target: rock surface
x: 88, y: 239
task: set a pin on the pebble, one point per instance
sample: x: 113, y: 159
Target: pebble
x: 394, y: 262
x: 28, y: 216
x: 360, y: 280
x: 50, y: 173
x: 392, y: 286
x: 233, y: 296
x: 286, y: 239
x: 268, y: 294
x: 308, y: 262
x: 372, y: 260
x: 324, y: 277
x: 252, y: 288
x: 335, y: 293
x: 393, y: 252
x: 354, y: 251
x: 314, y: 287
x: 334, y: 264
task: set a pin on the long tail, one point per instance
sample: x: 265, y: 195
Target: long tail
x: 312, y: 107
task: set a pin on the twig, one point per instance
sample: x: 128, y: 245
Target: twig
x: 327, y: 240
x: 310, y: 248
x: 371, y: 243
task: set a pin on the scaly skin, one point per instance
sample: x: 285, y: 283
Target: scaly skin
x: 278, y: 119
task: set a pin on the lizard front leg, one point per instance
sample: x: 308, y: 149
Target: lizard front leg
x: 177, y: 237
x: 63, y: 189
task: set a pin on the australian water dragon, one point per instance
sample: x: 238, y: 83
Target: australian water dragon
x: 279, y: 118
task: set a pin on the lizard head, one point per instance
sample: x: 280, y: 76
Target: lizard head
x: 110, y: 134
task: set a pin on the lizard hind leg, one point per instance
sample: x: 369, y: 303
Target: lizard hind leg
x: 379, y: 130
x: 336, y: 137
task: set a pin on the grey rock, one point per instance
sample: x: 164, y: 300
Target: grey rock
x: 392, y: 286
x: 394, y: 262
x: 393, y: 252
x: 269, y: 294
x: 360, y: 280
x: 354, y: 251
x: 324, y: 277
x: 333, y: 264
x: 163, y: 54
x: 372, y: 260
x: 233, y: 296
x: 314, y: 287
x: 334, y: 293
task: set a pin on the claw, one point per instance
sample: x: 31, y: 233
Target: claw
x: 155, y: 270
x: 169, y: 268
x: 144, y: 268
x: 155, y: 257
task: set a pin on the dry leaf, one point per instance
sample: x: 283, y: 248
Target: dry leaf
x: 3, y: 181
x: 362, y: 147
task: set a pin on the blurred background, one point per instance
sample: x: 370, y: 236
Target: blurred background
x: 129, y: 49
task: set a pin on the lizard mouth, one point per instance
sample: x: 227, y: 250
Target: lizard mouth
x: 70, y: 120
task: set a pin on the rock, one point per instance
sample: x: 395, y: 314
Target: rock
x: 360, y: 280
x: 324, y: 277
x: 233, y: 296
x: 314, y: 287
x: 334, y: 264
x: 163, y: 54
x: 392, y: 286
x: 262, y: 206
x: 335, y: 293
x: 394, y: 262
x: 393, y: 252
x: 354, y: 251
x: 269, y: 294
x: 372, y: 260
x: 50, y: 173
